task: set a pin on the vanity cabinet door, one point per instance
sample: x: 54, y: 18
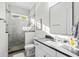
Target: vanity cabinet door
x: 38, y: 52
x: 48, y: 50
x: 44, y: 50
x: 41, y: 53
x: 45, y: 54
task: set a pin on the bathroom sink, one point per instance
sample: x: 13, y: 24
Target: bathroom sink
x: 50, y: 42
x: 53, y: 43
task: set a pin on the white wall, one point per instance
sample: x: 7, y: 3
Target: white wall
x: 32, y: 11
x: 2, y: 10
x: 42, y: 11
x: 76, y: 12
x: 3, y: 35
x: 18, y: 10
x: 29, y: 35
x: 3, y: 40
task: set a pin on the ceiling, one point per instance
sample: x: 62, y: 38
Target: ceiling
x: 24, y: 5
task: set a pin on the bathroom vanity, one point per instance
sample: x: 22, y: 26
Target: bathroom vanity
x: 44, y: 47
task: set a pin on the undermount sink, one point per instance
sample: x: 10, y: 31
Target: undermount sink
x: 53, y: 43
x: 50, y: 42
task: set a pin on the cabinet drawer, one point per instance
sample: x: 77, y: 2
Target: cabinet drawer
x: 37, y: 44
x: 41, y: 53
x: 38, y: 52
x: 48, y: 50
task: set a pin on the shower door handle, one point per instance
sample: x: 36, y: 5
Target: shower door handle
x: 8, y: 34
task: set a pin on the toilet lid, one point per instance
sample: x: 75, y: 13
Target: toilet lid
x: 29, y: 46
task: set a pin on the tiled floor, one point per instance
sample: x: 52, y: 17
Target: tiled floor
x: 17, y: 54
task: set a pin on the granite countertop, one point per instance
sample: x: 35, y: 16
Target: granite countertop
x: 56, y: 46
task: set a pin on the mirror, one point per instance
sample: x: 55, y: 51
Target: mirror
x: 60, y: 16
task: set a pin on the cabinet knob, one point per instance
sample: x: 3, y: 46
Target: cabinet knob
x: 44, y: 55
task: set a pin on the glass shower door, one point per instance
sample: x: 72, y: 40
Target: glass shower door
x: 16, y: 33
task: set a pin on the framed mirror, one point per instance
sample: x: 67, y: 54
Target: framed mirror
x: 39, y: 24
x: 60, y: 16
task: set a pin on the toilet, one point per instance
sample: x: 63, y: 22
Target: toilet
x: 30, y: 50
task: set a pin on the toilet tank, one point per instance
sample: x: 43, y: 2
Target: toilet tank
x: 29, y: 37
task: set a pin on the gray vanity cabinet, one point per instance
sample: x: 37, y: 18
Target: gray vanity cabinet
x: 39, y: 51
x: 44, y: 51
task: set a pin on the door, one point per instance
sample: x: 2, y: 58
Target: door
x: 16, y: 33
x: 3, y: 40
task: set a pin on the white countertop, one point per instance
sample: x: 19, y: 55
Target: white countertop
x: 57, y: 46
